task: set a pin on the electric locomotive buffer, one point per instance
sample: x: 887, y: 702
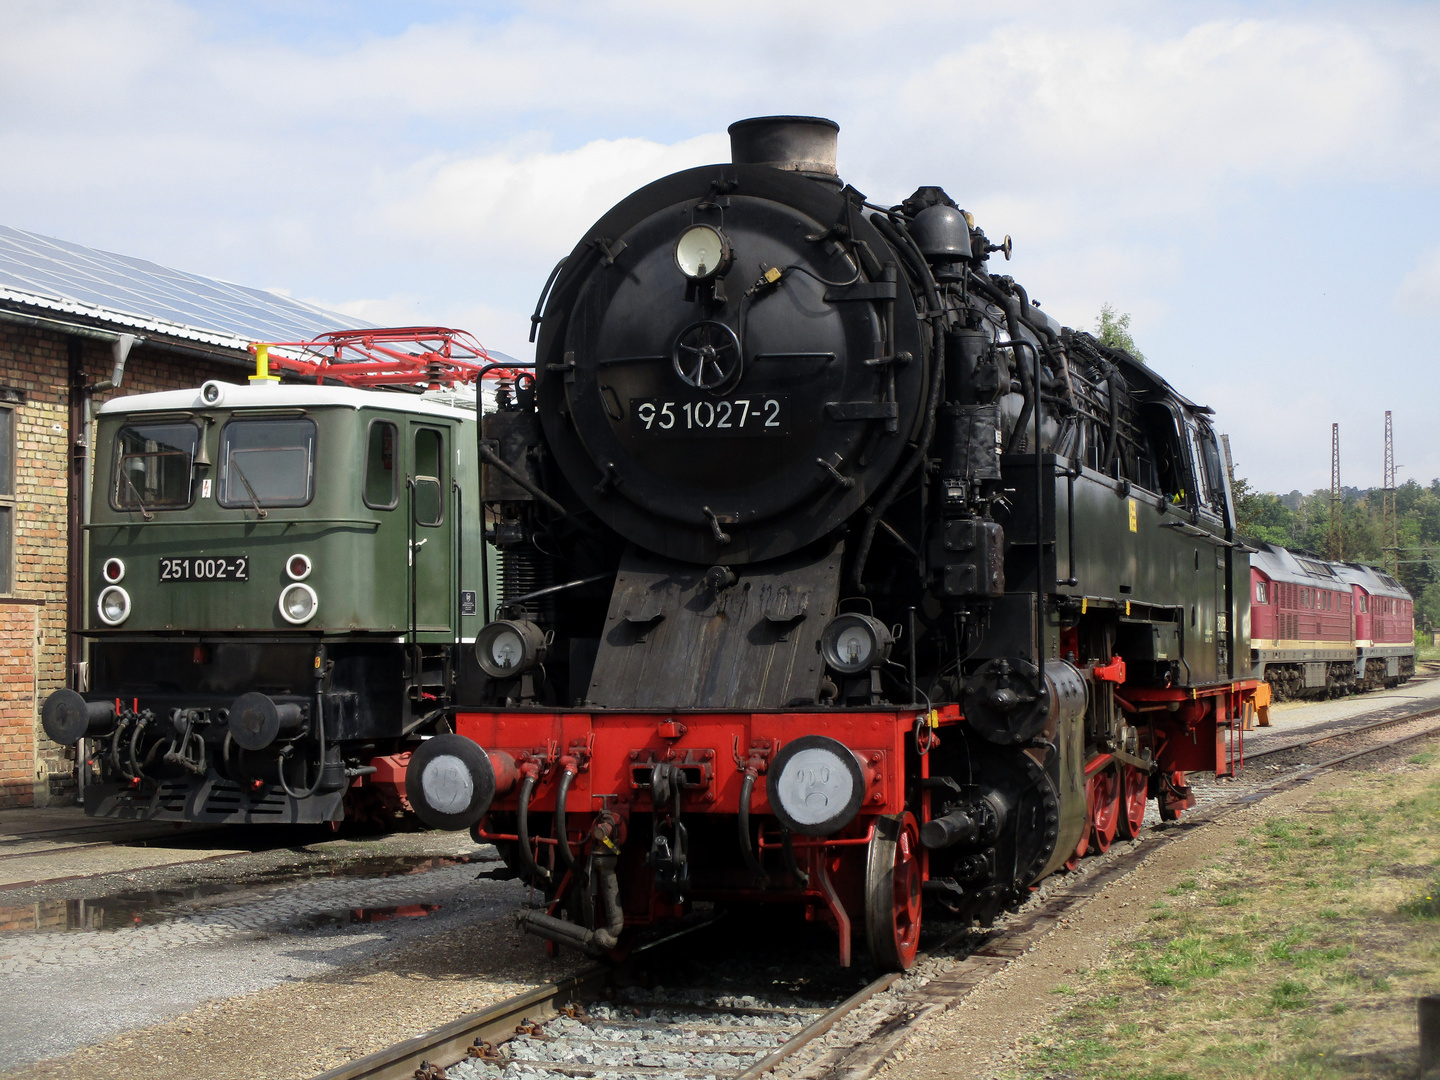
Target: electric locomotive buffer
x: 836, y: 571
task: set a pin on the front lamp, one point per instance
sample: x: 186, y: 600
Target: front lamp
x: 508, y: 648
x: 702, y: 252
x: 855, y: 643
x: 113, y: 605
x: 298, y: 603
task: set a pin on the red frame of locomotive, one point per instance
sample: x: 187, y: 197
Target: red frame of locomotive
x: 610, y: 753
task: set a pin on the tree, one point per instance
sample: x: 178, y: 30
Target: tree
x: 1114, y: 329
x: 1260, y: 515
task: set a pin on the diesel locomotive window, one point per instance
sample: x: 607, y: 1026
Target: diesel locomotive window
x: 1260, y: 592
x: 381, y: 489
x: 429, y: 477
x: 267, y: 463
x: 153, y: 466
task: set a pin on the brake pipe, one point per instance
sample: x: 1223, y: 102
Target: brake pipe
x: 747, y: 786
x: 562, y: 834
x: 533, y: 873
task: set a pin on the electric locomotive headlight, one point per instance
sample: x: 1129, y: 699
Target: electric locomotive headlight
x: 855, y: 643
x: 113, y: 571
x: 113, y: 605
x: 509, y: 647
x: 298, y: 603
x: 815, y: 785
x: 298, y: 567
x: 702, y: 252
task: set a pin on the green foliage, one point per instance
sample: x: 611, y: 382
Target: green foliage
x: 1303, y: 521
x: 1113, y: 329
x: 1426, y: 905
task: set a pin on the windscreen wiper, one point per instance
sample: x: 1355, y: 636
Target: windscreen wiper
x: 145, y: 511
x: 253, y: 499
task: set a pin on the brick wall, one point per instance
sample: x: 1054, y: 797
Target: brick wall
x: 36, y: 363
x: 19, y: 640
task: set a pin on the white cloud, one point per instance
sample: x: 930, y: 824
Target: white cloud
x: 533, y: 202
x: 1420, y: 290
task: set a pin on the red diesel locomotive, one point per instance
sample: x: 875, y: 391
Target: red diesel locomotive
x: 1322, y: 629
x: 835, y: 572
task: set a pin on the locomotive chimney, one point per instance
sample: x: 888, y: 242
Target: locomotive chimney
x: 803, y: 144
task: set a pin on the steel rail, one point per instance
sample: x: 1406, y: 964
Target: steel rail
x: 1393, y: 721
x: 450, y: 1042
x: 496, y: 1023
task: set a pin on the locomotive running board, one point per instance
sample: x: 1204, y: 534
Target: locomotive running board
x: 678, y: 636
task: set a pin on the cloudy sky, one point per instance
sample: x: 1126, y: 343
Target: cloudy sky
x: 1257, y: 184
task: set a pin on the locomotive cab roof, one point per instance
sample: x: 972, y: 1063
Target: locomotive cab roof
x: 272, y: 395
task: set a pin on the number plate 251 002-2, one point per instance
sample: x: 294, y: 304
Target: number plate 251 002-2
x: 206, y: 568
x: 764, y: 414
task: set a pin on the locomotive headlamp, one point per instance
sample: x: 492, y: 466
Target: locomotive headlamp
x: 113, y: 571
x: 815, y: 785
x: 298, y: 567
x: 855, y: 643
x: 298, y: 603
x: 509, y: 647
x: 702, y: 252
x: 113, y: 605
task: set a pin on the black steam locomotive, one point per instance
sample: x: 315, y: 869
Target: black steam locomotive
x: 836, y: 572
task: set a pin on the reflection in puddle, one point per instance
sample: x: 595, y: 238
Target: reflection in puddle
x: 141, y: 906
x: 333, y: 920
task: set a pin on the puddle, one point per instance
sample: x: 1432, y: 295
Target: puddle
x: 334, y: 920
x: 138, y: 907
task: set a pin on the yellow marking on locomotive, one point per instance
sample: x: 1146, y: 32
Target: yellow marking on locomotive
x: 1134, y: 518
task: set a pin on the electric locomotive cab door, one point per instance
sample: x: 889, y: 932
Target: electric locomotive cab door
x: 431, y: 541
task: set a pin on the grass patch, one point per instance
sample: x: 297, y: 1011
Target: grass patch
x: 1294, y: 955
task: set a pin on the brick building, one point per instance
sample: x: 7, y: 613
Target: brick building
x: 79, y: 326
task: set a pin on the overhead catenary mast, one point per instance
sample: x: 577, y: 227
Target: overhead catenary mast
x: 1337, y: 545
x: 1390, y: 525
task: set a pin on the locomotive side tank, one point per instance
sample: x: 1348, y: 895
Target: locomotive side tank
x: 836, y: 571
x: 277, y: 592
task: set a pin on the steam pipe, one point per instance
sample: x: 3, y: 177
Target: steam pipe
x: 905, y: 246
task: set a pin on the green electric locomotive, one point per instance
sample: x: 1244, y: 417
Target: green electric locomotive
x: 280, y: 580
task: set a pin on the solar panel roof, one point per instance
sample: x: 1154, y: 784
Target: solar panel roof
x: 40, y: 272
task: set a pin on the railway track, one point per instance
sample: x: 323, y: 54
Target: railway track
x: 583, y: 1026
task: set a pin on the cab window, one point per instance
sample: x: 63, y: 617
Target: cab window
x: 381, y: 489
x: 429, y: 477
x: 153, y: 466
x: 267, y: 463
x: 1260, y: 592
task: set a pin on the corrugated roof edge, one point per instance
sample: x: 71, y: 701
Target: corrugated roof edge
x: 111, y: 317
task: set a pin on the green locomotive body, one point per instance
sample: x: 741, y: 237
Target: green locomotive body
x: 260, y: 557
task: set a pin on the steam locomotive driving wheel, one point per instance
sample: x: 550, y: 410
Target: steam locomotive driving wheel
x: 892, y: 892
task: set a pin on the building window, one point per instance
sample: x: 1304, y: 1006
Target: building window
x: 7, y: 501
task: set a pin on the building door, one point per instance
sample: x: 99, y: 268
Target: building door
x: 432, y: 586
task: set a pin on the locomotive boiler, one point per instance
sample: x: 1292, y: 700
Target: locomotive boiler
x: 836, y: 571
